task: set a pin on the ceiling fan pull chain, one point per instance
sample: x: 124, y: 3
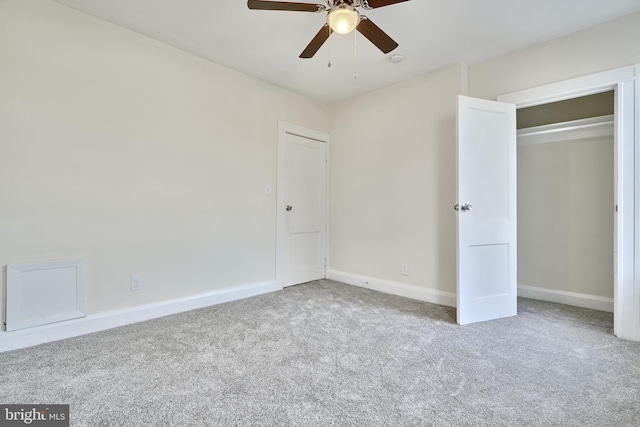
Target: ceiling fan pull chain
x: 329, y: 63
x: 355, y: 55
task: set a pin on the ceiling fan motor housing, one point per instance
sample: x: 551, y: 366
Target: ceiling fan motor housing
x: 364, y: 4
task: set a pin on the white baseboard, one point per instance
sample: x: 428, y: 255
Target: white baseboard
x: 569, y: 298
x: 449, y: 299
x: 112, y: 319
x: 396, y: 288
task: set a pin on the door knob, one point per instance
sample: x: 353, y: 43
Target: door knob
x: 289, y: 208
x: 464, y: 208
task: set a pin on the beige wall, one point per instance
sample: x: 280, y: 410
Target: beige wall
x: 565, y: 220
x: 142, y: 158
x: 393, y: 183
x: 603, y: 47
x: 584, y: 107
x: 392, y: 172
x: 148, y: 160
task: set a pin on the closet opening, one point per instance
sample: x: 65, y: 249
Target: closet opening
x: 566, y: 208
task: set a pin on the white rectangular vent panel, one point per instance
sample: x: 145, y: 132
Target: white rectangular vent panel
x: 45, y: 292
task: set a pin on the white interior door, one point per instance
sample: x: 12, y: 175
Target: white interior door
x: 302, y: 192
x: 486, y: 218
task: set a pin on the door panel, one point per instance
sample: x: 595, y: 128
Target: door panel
x: 492, y: 262
x: 486, y: 231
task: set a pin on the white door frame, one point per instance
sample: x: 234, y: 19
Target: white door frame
x: 285, y: 128
x: 626, y: 84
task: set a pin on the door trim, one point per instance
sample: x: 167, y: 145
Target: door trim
x: 285, y: 129
x: 625, y: 82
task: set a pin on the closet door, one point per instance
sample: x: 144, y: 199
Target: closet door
x: 486, y: 218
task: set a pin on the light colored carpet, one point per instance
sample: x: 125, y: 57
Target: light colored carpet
x: 326, y: 353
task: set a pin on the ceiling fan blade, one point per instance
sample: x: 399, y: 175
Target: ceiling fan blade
x: 376, y: 36
x: 373, y: 4
x: 283, y: 5
x: 317, y: 42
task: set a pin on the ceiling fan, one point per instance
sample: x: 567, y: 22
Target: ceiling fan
x: 342, y: 17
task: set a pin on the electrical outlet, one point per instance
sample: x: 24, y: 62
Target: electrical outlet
x: 405, y: 270
x: 136, y: 282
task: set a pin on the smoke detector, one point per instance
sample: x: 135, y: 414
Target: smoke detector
x: 396, y: 58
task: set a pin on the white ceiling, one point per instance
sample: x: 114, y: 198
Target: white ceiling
x: 431, y: 34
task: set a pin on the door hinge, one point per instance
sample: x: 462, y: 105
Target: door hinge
x: 616, y: 208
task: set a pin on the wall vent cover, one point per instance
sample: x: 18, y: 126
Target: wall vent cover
x: 45, y: 292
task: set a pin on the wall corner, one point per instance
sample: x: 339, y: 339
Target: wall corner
x: 464, y: 79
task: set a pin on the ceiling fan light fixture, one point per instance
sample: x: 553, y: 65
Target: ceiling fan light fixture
x: 343, y: 19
